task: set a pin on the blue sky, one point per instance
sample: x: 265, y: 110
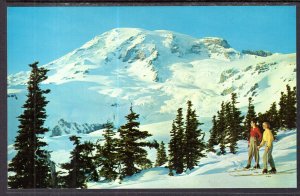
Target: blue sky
x: 47, y: 33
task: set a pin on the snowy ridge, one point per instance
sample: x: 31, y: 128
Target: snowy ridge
x: 63, y: 127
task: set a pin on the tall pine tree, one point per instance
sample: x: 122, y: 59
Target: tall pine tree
x: 231, y: 136
x: 213, y: 136
x: 273, y: 118
x: 291, y: 110
x: 287, y: 110
x: 251, y: 115
x: 282, y: 110
x: 220, y: 128
x: 132, y: 155
x: 237, y: 118
x: 161, y: 157
x: 30, y: 167
x: 176, y: 145
x: 193, y: 144
x: 173, y: 149
x: 108, y: 159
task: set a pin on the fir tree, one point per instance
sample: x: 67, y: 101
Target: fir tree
x: 213, y: 136
x: 282, y: 110
x: 30, y: 166
x: 287, y: 110
x: 176, y: 145
x: 220, y: 125
x: 273, y: 118
x: 173, y: 149
x: 262, y: 117
x: 131, y: 146
x: 291, y: 110
x: 231, y: 136
x: 81, y: 166
x: 193, y: 144
x: 222, y: 147
x: 237, y: 118
x: 221, y: 128
x: 233, y: 121
x: 251, y: 115
x: 161, y: 157
x: 108, y: 154
x: 89, y: 162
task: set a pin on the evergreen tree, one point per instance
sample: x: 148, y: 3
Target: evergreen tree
x: 173, y: 149
x: 193, y: 144
x: 176, y: 145
x: 81, y: 166
x: 221, y: 128
x: 287, y: 110
x: 221, y: 123
x: 213, y: 136
x: 273, y: 118
x: 132, y: 155
x: 282, y: 110
x: 222, y: 147
x: 108, y: 158
x: 249, y: 117
x: 233, y: 121
x: 231, y: 135
x: 161, y: 157
x: 30, y: 166
x: 262, y: 117
x: 237, y: 118
x: 291, y: 110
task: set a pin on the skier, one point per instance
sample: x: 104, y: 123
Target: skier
x: 268, y: 139
x: 254, y: 139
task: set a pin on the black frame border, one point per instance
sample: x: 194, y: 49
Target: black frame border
x: 53, y: 3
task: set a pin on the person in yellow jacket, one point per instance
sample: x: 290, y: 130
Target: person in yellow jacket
x: 267, y: 140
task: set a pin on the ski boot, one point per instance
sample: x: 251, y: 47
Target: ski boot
x: 247, y: 167
x: 272, y: 171
x: 265, y: 171
x: 256, y: 166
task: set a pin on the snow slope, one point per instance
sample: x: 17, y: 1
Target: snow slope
x: 213, y: 171
x: 216, y: 171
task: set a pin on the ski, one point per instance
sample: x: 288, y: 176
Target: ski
x: 261, y: 174
x: 240, y: 170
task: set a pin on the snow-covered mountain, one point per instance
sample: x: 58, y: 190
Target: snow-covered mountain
x: 63, y: 127
x: 156, y: 71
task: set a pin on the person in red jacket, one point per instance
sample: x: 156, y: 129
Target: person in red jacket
x: 253, y: 142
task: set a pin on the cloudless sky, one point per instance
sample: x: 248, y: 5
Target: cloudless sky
x: 47, y: 33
